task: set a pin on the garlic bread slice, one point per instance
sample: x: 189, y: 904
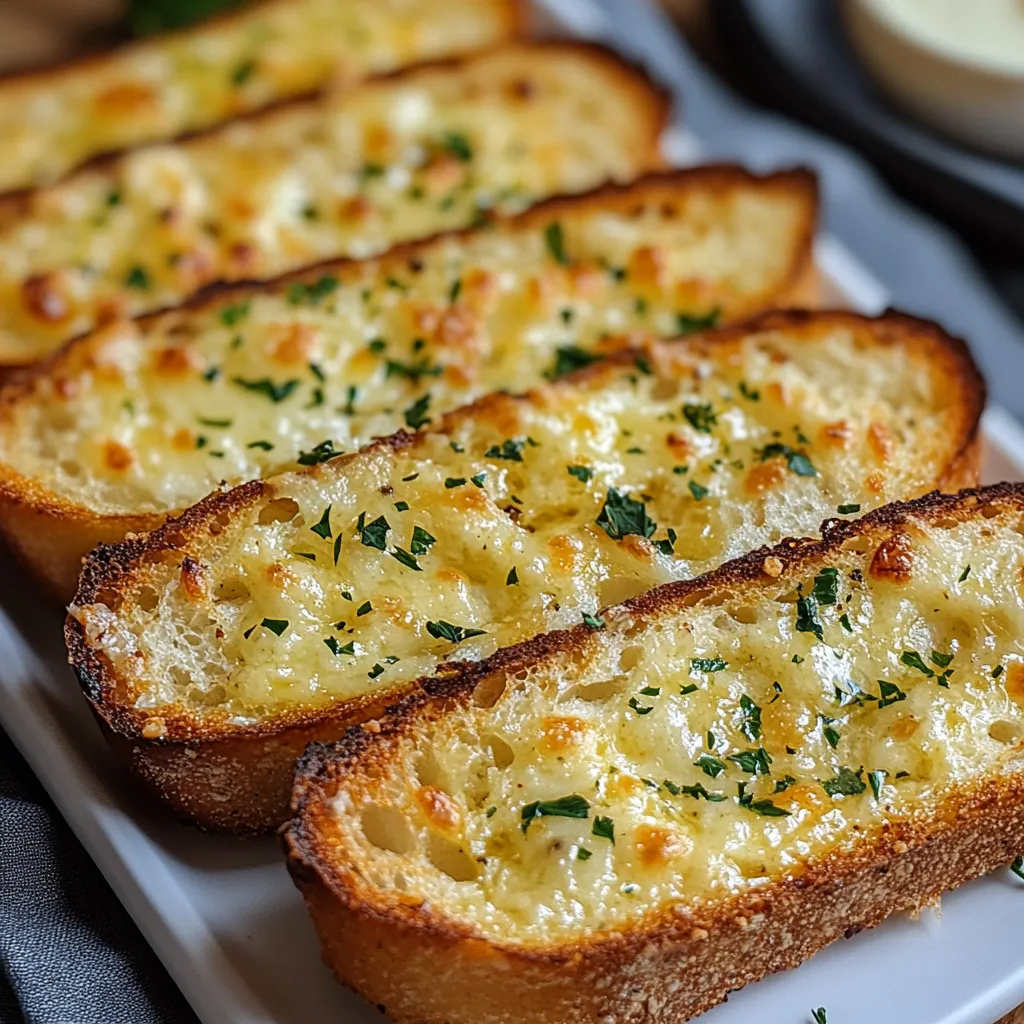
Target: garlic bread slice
x: 142, y: 419
x: 629, y: 822
x: 214, y: 648
x: 430, y: 149
x: 161, y: 87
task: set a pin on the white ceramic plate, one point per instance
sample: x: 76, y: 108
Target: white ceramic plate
x: 229, y: 926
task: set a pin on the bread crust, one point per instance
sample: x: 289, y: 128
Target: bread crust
x: 512, y: 16
x: 670, y: 963
x: 51, y: 534
x: 200, y: 766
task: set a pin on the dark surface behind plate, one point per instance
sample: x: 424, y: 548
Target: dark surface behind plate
x: 799, y: 47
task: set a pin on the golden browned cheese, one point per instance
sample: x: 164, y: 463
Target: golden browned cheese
x: 150, y: 417
x: 163, y: 87
x: 729, y: 735
x: 347, y: 175
x: 515, y: 516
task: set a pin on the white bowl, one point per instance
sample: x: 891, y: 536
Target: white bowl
x: 957, y: 65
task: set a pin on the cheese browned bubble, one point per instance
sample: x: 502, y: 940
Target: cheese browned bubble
x: 52, y: 121
x: 689, y: 754
x: 151, y: 417
x: 520, y: 515
x: 432, y: 149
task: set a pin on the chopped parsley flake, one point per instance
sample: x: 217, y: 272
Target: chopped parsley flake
x: 845, y: 783
x: 1017, y: 866
x: 621, y: 515
x: 138, y: 278
x: 877, y: 779
x: 569, y: 358
x: 236, y: 312
x: 300, y: 293
x: 442, y: 630
x: 826, y: 586
x: 640, y: 709
x: 964, y: 574
x: 604, y: 828
x: 512, y: 451
x: 276, y: 626
x: 323, y: 528
x: 416, y: 414
x: 512, y: 579
x: 697, y: 490
x: 408, y: 560
x: 594, y: 622
x: 847, y: 510
x: 582, y: 853
x: 323, y: 452
x: 457, y: 145
x: 454, y: 481
x: 373, y: 535
x: 687, y: 323
x: 364, y: 608
x: 798, y: 462
x: 582, y: 473
x: 753, y: 762
x: 818, y: 1015
x: 807, y: 620
x: 421, y: 541
x: 751, y: 725
x: 574, y: 806
x: 710, y: 765
x: 554, y: 239
x: 266, y: 387
x: 701, y: 417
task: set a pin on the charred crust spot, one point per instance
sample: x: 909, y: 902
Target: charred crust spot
x: 893, y: 560
x: 194, y: 579
x: 42, y: 298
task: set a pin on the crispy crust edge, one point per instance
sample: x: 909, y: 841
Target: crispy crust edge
x: 514, y: 18
x: 670, y: 962
x: 187, y: 765
x: 51, y: 534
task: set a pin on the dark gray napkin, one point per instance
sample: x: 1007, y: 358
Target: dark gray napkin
x: 69, y: 953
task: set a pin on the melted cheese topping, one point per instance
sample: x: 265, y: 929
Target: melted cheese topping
x: 521, y: 517
x: 152, y: 418
x: 349, y: 176
x: 164, y: 87
x: 802, y: 756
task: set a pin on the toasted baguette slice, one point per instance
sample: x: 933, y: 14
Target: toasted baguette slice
x: 142, y: 419
x: 51, y: 121
x: 214, y: 648
x: 630, y: 822
x: 430, y: 149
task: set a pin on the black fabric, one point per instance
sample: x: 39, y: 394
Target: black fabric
x: 69, y: 953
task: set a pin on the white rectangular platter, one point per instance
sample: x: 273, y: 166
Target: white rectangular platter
x: 225, y: 919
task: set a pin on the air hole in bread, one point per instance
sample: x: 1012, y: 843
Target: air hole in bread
x: 745, y: 614
x: 108, y: 597
x: 451, y: 859
x: 630, y: 658
x: 706, y: 597
x: 427, y: 770
x: 388, y: 829
x: 1003, y: 731
x: 592, y: 692
x: 488, y: 691
x: 69, y: 468
x: 502, y: 753
x: 147, y: 599
x: 279, y: 510
x: 858, y: 545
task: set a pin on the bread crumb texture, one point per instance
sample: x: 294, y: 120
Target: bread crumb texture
x: 692, y: 754
x: 152, y: 417
x: 344, y: 175
x: 518, y: 515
